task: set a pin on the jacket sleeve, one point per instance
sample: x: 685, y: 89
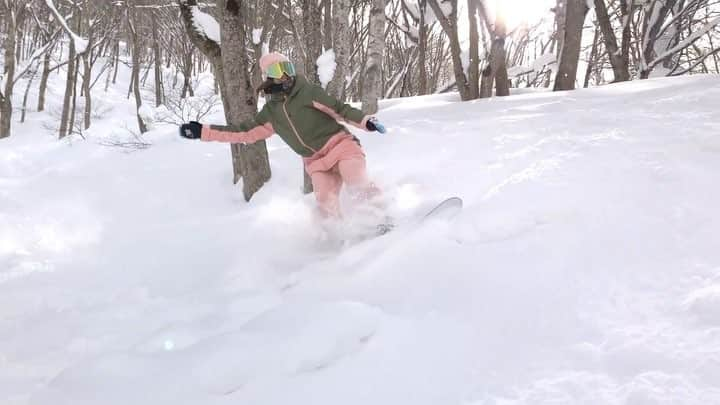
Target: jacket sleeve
x: 250, y: 131
x: 338, y: 110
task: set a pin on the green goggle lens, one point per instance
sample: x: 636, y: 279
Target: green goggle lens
x: 277, y: 69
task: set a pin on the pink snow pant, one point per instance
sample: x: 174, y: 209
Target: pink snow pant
x: 341, y: 160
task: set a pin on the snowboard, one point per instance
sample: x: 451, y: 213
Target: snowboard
x: 445, y: 209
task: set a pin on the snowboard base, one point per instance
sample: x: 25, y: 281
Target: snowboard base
x: 446, y: 209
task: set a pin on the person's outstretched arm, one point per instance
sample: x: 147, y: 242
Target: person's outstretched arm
x: 342, y: 112
x: 250, y: 131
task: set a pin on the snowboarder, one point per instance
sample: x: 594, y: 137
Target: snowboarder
x: 307, y: 119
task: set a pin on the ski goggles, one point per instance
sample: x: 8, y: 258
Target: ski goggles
x: 278, y: 69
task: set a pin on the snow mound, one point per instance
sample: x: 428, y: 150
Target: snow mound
x: 705, y: 303
x: 582, y: 268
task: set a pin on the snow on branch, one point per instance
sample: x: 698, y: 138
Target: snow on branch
x: 205, y: 24
x: 414, y: 9
x: 28, y: 63
x: 326, y: 67
x: 400, y: 75
x: 445, y: 6
x: 686, y: 42
x: 257, y: 35
x: 695, y: 64
x: 538, y: 65
x: 411, y: 32
x: 203, y: 31
x: 79, y: 42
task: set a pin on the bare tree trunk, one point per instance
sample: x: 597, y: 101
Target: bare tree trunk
x: 502, y: 87
x: 626, y: 14
x: 422, y: 49
x: 376, y: 47
x: 43, y: 82
x: 575, y: 12
x: 313, y: 38
x: 560, y: 25
x: 593, y: 58
x: 187, y: 75
x: 264, y: 14
x: 117, y: 61
x: 496, y: 71
x: 341, y: 46
x: 33, y: 73
x: 474, y: 60
x: 136, y: 46
x: 329, y: 34
x: 158, y: 61
x: 73, y: 104
x: 69, y: 87
x: 87, y: 75
x: 87, y: 78
x: 449, y: 25
x: 486, y: 82
x: 312, y: 45
x: 7, y: 92
x: 132, y: 81
x: 253, y: 159
x: 619, y: 58
x: 111, y: 60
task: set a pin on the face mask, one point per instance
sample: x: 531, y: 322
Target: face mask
x: 273, y: 88
x: 285, y: 86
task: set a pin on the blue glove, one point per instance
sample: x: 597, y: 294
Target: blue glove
x: 374, y: 125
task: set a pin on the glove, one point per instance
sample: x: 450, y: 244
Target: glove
x: 191, y: 130
x: 374, y: 125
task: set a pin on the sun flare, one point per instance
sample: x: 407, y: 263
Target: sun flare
x: 519, y: 12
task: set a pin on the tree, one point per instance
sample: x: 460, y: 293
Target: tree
x: 496, y: 70
x: 137, y: 47
x: 376, y: 46
x: 232, y: 70
x: 446, y: 13
x: 157, y: 59
x: 619, y: 56
x: 312, y: 38
x: 14, y: 14
x: 660, y: 39
x: 473, y: 70
x: 575, y: 12
x: 340, y: 43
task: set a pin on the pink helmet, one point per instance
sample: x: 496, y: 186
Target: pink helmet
x: 270, y: 58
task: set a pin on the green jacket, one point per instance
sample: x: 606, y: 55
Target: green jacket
x: 305, y: 119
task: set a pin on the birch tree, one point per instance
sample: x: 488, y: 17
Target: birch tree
x: 376, y: 47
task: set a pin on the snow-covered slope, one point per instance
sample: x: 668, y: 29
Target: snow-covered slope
x: 585, y: 268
